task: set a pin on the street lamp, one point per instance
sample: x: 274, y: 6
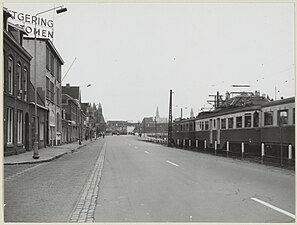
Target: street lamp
x: 36, y: 141
x: 81, y: 112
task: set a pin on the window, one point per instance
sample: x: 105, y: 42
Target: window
x: 268, y: 118
x: 25, y: 84
x: 19, y: 81
x: 202, y: 125
x: 223, y: 123
x: 238, y: 121
x: 9, y: 126
x: 47, y: 88
x: 206, y: 125
x: 248, y: 120
x: 214, y: 124
x: 10, y: 75
x: 47, y: 58
x: 256, y: 119
x: 282, y: 117
x: 52, y: 91
x: 20, y: 127
x: 58, y: 96
x: 58, y: 69
x: 230, y: 122
x: 52, y: 64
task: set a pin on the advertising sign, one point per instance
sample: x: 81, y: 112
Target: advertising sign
x: 44, y: 27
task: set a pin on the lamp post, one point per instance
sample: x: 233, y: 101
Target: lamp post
x: 36, y: 141
x: 81, y: 118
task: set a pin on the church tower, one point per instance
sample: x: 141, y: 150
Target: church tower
x: 157, y: 113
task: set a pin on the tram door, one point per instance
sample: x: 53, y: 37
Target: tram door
x: 218, y: 130
x: 210, y: 133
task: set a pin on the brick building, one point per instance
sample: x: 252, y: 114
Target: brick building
x: 18, y: 93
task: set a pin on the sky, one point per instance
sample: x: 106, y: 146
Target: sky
x: 133, y: 54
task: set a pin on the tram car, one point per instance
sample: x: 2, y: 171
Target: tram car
x: 245, y: 121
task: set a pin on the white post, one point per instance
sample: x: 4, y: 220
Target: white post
x: 262, y: 152
x: 216, y: 147
x: 290, y: 151
x: 227, y: 148
x: 205, y: 144
x: 196, y: 143
x: 290, y: 154
x: 190, y: 143
x: 177, y: 142
x: 184, y: 143
x: 242, y: 150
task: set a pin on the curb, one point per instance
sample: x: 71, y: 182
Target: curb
x: 47, y: 160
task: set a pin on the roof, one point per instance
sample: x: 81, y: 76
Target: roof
x: 51, y: 45
x: 72, y: 91
x: 279, y: 102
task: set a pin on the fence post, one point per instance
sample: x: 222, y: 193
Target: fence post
x: 215, y: 147
x: 262, y: 152
x: 204, y: 145
x: 242, y: 150
x: 227, y: 148
x: 290, y: 154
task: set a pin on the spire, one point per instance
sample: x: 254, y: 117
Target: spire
x: 192, y: 113
x: 157, y: 113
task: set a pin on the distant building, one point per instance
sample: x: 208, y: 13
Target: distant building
x: 116, y: 127
x: 154, y: 126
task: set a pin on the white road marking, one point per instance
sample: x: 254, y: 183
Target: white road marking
x: 172, y: 163
x: 146, y: 152
x: 274, y: 207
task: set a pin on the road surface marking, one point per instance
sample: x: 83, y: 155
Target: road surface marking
x: 172, y: 163
x: 274, y: 207
x: 146, y: 152
x: 23, y: 171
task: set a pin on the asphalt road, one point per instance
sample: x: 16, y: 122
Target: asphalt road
x: 121, y: 179
x: 146, y: 182
x: 48, y: 192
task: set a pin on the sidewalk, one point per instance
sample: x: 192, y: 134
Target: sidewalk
x: 46, y: 154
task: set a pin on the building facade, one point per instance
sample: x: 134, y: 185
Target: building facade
x: 48, y: 80
x: 18, y: 93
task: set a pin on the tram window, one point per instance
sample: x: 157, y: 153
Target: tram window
x: 223, y: 123
x: 247, y: 120
x: 282, y: 117
x: 256, y: 119
x: 206, y: 125
x: 268, y: 118
x: 230, y: 122
x: 238, y: 121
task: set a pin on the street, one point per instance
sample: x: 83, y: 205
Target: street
x: 146, y: 182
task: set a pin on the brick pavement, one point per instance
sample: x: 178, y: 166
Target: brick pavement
x: 84, y: 212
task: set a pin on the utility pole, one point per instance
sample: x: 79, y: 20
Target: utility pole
x: 170, y: 120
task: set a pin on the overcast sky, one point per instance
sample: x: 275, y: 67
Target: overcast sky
x: 133, y: 54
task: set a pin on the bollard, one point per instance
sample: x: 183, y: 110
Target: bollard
x: 184, y: 143
x: 216, y: 147
x: 190, y: 144
x: 177, y: 142
x: 196, y: 143
x: 290, y: 154
x: 242, y: 150
x: 262, y: 152
x: 205, y: 145
x: 227, y: 148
